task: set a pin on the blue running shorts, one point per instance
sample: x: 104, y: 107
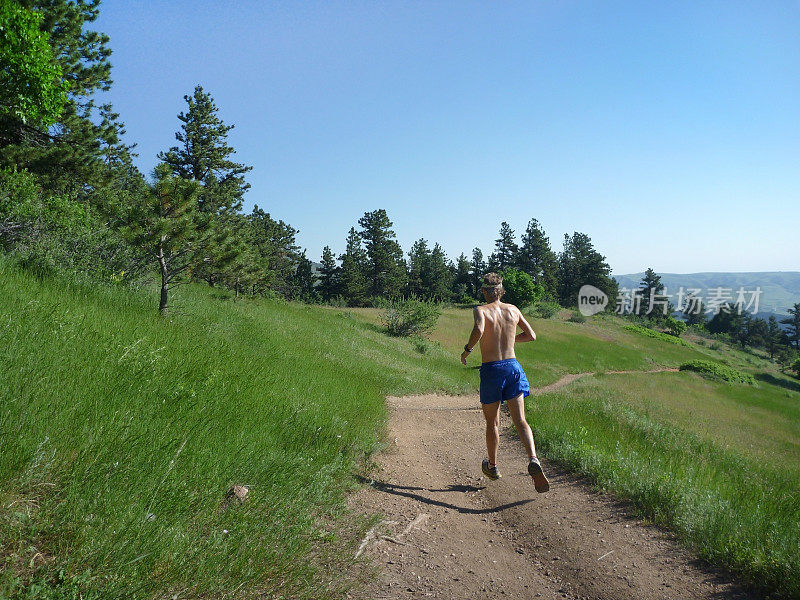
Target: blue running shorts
x: 502, y: 380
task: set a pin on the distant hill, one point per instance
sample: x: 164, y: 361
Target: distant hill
x: 779, y: 289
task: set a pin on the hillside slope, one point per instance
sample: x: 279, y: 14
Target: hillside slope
x: 122, y: 432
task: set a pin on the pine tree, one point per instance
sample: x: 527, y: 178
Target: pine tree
x: 243, y: 271
x: 462, y: 279
x: 387, y: 269
x: 506, y: 250
x: 238, y: 255
x: 694, y: 311
x: 354, y: 282
x: 774, y: 336
x: 441, y: 275
x: 650, y: 284
x: 304, y: 281
x: 419, y: 268
x: 205, y: 156
x: 276, y: 250
x: 538, y: 260
x: 169, y: 227
x: 477, y: 270
x: 328, y: 276
x: 69, y: 157
x: 580, y: 264
x: 793, y: 321
x: 757, y: 331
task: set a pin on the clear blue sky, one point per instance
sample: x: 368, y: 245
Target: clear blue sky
x: 668, y: 132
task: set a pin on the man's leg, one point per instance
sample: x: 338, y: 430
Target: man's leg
x: 491, y: 412
x: 516, y: 407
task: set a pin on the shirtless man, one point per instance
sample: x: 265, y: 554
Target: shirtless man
x: 502, y: 377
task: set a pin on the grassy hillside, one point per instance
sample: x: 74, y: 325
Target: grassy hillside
x: 122, y: 431
x: 717, y: 462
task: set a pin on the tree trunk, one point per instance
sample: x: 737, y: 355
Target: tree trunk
x: 162, y: 262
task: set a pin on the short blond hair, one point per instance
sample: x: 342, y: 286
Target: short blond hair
x: 493, y: 286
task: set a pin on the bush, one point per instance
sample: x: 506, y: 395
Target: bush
x: 338, y: 301
x: 465, y: 299
x: 657, y: 335
x: 674, y: 326
x: 520, y: 289
x: 796, y: 367
x: 545, y: 310
x: 718, y: 372
x: 411, y: 316
x: 378, y: 302
x: 577, y: 318
x: 47, y: 233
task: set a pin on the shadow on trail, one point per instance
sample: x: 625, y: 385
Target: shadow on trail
x: 404, y: 490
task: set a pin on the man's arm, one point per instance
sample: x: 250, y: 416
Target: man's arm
x: 475, y: 336
x: 527, y: 335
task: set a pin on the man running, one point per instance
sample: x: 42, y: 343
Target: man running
x: 502, y: 377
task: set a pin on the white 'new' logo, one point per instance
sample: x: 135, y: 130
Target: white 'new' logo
x: 591, y: 300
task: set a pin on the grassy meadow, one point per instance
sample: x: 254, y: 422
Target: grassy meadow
x: 121, y: 432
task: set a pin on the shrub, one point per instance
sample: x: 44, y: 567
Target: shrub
x: 657, y: 335
x: 410, y: 316
x: 520, y: 289
x: 338, y: 301
x: 47, y: 233
x: 577, y: 318
x: 796, y: 367
x: 465, y: 299
x: 674, y: 326
x: 718, y: 372
x: 545, y: 310
x: 378, y: 302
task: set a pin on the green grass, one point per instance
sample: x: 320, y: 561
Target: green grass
x: 717, y: 463
x: 600, y: 344
x: 718, y: 372
x: 122, y: 431
x: 657, y: 335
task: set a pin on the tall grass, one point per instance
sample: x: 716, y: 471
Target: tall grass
x: 121, y: 432
x: 723, y: 476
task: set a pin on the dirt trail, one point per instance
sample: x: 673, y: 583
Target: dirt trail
x: 447, y: 532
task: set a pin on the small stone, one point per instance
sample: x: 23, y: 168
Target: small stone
x: 237, y: 492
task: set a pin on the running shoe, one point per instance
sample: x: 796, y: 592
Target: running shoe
x: 539, y: 480
x: 491, y: 472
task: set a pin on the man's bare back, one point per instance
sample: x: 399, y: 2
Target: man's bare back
x: 496, y: 328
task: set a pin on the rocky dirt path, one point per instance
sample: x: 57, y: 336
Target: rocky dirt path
x: 447, y: 532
